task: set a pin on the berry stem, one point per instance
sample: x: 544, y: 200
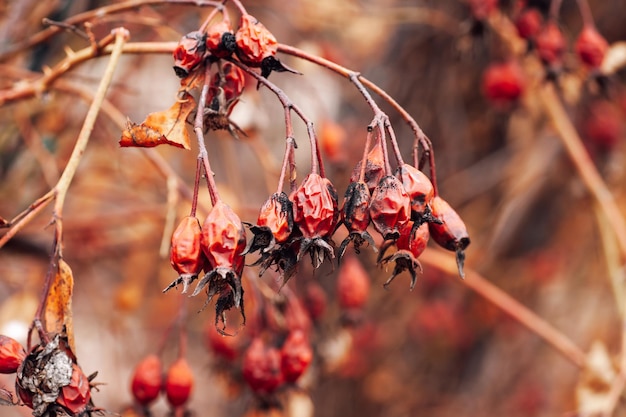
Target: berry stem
x: 196, y: 186
x: 290, y: 144
x: 585, y: 13
x: 368, y: 144
x: 555, y: 7
x: 198, y: 126
x: 218, y: 8
x: 239, y: 6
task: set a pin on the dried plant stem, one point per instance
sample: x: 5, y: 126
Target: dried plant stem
x: 506, y: 303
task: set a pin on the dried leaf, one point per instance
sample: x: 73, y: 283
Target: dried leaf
x: 58, y: 312
x: 594, y: 387
x: 164, y: 127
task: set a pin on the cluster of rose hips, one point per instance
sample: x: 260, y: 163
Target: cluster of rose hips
x: 49, y: 381
x: 403, y: 206
x: 148, y: 382
x: 505, y: 82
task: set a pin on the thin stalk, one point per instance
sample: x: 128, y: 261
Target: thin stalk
x: 196, y: 187
x: 585, y: 13
x: 368, y: 143
x: 555, y: 6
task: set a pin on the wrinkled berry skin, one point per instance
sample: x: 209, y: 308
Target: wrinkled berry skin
x: 418, y: 186
x: 551, y: 45
x: 12, y: 355
x: 262, y: 367
x: 390, y: 207
x: 315, y: 207
x: 591, y: 47
x: 277, y: 215
x: 355, y: 213
x: 295, y: 356
x: 75, y: 397
x: 178, y: 383
x: 146, y: 381
x: 223, y: 237
x: 189, y: 53
x: 186, y: 255
x: 374, y: 168
x: 451, y: 233
x: 254, y: 41
x: 220, y: 40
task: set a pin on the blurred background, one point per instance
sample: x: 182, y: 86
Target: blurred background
x: 440, y: 349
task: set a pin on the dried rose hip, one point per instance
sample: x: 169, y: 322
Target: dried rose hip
x: 355, y: 215
x: 353, y: 284
x: 274, y: 224
x: 419, y: 188
x: 529, y: 23
x: 12, y: 355
x: 223, y: 242
x: 603, y: 125
x: 591, y: 47
x: 374, y: 168
x: 295, y: 356
x: 75, y: 397
x: 226, y: 87
x: 178, y: 383
x: 411, y: 243
x: 186, y: 255
x: 262, y: 367
x: 551, y: 45
x: 451, y: 234
x: 503, y: 83
x: 147, y: 380
x: 189, y: 53
x: 390, y: 207
x: 316, y: 214
x: 220, y: 40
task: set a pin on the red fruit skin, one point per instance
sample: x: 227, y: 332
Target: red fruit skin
x: 262, y: 367
x: 503, y: 83
x: 591, y: 47
x: 417, y: 185
x: 355, y: 212
x: 315, y: 207
x: 147, y: 380
x: 452, y: 233
x: 414, y: 241
x: 295, y: 356
x: 528, y: 23
x: 274, y: 216
x: 481, y: 9
x: 12, y: 355
x: 603, y: 125
x: 186, y: 255
x: 353, y: 284
x: 315, y: 300
x: 390, y: 207
x: 374, y: 168
x: 551, y: 44
x: 223, y: 237
x: 178, y: 383
x: 254, y: 41
x: 215, y: 35
x: 189, y: 53
x: 75, y: 396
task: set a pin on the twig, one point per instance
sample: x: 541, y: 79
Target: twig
x: 506, y: 303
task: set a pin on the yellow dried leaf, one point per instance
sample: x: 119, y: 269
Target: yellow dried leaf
x: 58, y: 311
x: 163, y: 127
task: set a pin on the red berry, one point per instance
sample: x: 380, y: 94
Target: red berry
x: 591, y: 47
x: 75, y: 397
x: 374, y: 168
x: 603, y: 125
x: 315, y: 300
x: 451, y: 233
x: 277, y: 215
x: 189, y: 53
x: 178, y: 383
x: 551, y: 45
x: 254, y: 41
x: 220, y: 40
x: 315, y: 207
x: 146, y: 380
x: 529, y: 23
x: 186, y: 254
x: 503, y: 83
x: 12, y: 355
x: 262, y: 367
x: 390, y: 207
x: 223, y: 237
x: 353, y: 284
x: 296, y: 355
x: 418, y: 186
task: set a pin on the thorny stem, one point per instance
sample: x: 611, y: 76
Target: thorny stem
x: 473, y: 280
x: 317, y: 166
x: 585, y: 13
x: 96, y: 14
x: 198, y: 127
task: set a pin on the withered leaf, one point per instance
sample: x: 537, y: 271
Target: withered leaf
x: 58, y: 312
x: 163, y: 127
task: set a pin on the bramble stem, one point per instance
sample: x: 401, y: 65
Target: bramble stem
x: 198, y: 127
x: 473, y: 280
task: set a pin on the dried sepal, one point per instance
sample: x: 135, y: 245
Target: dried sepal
x: 163, y: 127
x: 355, y: 215
x: 274, y: 224
x: 410, y: 244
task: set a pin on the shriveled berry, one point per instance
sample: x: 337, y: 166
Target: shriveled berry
x: 353, y: 284
x: 551, y: 45
x: 528, y: 23
x: 295, y: 355
x: 254, y: 41
x: 355, y: 215
x: 262, y: 367
x: 186, y: 255
x: 418, y: 186
x: 189, y: 53
x: 390, y: 207
x: 220, y: 40
x: 226, y: 87
x: 503, y: 83
x: 178, y: 383
x: 451, y: 234
x: 591, y: 47
x: 147, y: 380
x: 374, y: 168
x: 75, y: 397
x: 411, y: 243
x: 12, y: 354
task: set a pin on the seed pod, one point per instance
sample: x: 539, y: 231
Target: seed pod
x: 226, y: 87
x: 451, y: 234
x: 223, y: 238
x: 551, y: 45
x: 220, y: 40
x: 591, y: 47
x: 528, y: 23
x: 147, y: 380
x: 262, y: 367
x: 76, y: 396
x: 374, y: 168
x: 411, y: 245
x: 315, y: 207
x: 295, y: 356
x: 186, y: 255
x: 189, y: 53
x: 419, y: 188
x: 503, y: 83
x: 12, y: 355
x: 254, y: 41
x: 353, y: 284
x: 390, y: 207
x: 178, y: 383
